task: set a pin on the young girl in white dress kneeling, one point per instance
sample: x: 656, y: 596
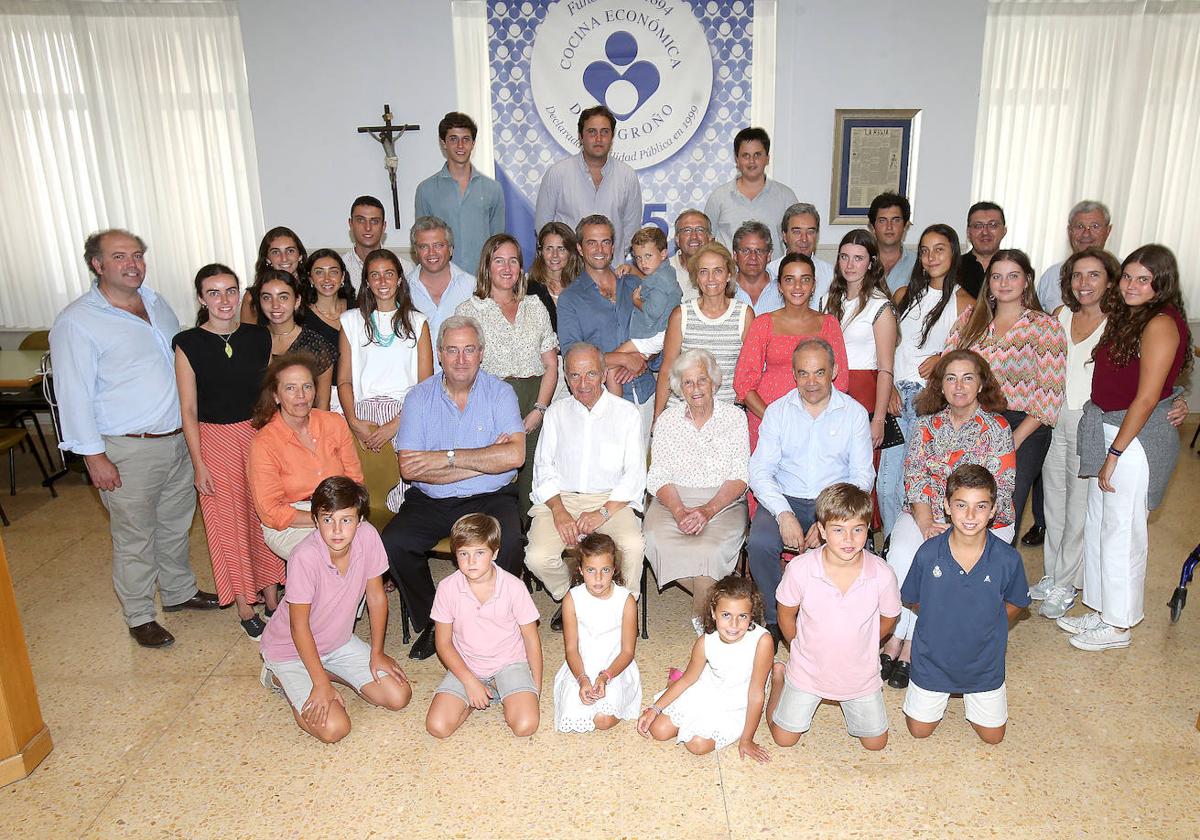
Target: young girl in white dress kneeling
x: 599, y: 684
x: 719, y: 697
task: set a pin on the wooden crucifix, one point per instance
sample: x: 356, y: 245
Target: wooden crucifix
x: 386, y: 134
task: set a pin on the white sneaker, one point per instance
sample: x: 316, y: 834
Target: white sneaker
x: 1042, y: 588
x: 1076, y: 624
x: 1060, y: 599
x: 1102, y: 638
x: 697, y: 626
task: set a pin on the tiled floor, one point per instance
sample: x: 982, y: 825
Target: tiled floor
x: 184, y: 742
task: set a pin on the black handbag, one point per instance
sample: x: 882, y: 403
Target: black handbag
x: 893, y: 435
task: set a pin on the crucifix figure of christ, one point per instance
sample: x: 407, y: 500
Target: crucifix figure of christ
x: 386, y: 134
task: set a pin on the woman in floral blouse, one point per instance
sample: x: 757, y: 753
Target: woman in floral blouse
x: 520, y: 346
x: 1027, y: 350
x: 961, y: 423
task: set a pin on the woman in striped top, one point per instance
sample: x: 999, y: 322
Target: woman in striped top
x: 715, y: 322
x: 1027, y: 351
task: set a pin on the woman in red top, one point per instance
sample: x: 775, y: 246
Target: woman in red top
x: 1127, y: 442
x: 764, y: 367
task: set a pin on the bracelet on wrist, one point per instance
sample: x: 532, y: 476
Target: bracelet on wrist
x: 604, y: 512
x: 1116, y: 453
x: 540, y: 407
x: 607, y: 676
x: 654, y: 709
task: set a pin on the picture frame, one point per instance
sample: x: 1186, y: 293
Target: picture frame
x: 874, y: 151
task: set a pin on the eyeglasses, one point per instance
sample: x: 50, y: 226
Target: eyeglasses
x: 1094, y: 227
x: 754, y: 252
x: 992, y: 225
x: 688, y: 231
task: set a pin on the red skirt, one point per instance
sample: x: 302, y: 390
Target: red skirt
x: 862, y: 388
x: 241, y: 562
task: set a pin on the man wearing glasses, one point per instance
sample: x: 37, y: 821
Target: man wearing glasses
x: 693, y: 230
x: 1088, y: 226
x: 985, y: 229
x: 751, y: 196
x: 752, y: 252
x: 460, y: 442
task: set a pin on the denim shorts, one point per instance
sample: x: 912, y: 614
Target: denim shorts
x: 508, y: 680
x: 351, y: 663
x: 865, y: 717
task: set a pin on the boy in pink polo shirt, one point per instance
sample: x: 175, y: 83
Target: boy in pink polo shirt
x: 486, y: 636
x: 309, y: 643
x: 836, y: 603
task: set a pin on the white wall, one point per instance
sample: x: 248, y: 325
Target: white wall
x: 879, y: 54
x: 318, y: 70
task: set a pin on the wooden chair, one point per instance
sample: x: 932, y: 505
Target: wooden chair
x: 10, y: 439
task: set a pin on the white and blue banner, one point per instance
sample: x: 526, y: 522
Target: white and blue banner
x: 676, y: 73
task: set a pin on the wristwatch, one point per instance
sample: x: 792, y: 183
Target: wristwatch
x: 449, y: 457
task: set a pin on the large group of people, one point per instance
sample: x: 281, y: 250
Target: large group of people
x: 865, y: 432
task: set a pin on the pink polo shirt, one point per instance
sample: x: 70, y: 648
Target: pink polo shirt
x: 487, y: 636
x: 835, y: 654
x: 333, y: 598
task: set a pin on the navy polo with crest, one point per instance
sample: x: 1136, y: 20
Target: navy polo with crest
x: 962, y: 627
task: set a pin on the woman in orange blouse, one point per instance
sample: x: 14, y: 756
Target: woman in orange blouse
x: 296, y: 447
x: 1027, y: 351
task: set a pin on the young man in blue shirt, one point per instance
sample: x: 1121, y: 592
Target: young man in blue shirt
x: 967, y: 586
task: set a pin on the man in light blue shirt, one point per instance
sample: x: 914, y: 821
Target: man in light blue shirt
x: 437, y: 285
x: 754, y: 286
x: 890, y: 215
x: 811, y: 438
x: 800, y: 229
x: 593, y: 183
x: 1088, y: 226
x: 460, y: 195
x: 460, y: 442
x: 114, y: 377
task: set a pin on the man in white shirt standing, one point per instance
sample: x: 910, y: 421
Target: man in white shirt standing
x: 114, y: 374
x: 751, y: 196
x: 593, y: 183
x: 437, y: 285
x: 589, y: 474
x: 801, y: 228
x: 368, y: 228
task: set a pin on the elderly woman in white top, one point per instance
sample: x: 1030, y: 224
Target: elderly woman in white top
x: 522, y: 348
x: 699, y: 470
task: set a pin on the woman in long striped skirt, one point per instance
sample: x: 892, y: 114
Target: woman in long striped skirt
x: 219, y: 365
x: 385, y: 350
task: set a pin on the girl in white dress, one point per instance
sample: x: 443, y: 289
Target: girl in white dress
x: 719, y: 698
x: 599, y: 684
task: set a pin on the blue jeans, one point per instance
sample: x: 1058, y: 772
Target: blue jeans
x: 765, y: 545
x: 889, y: 484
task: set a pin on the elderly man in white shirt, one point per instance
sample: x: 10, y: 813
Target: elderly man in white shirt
x: 589, y: 474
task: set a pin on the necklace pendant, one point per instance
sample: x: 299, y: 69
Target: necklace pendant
x: 228, y: 351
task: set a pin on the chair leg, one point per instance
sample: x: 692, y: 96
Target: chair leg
x: 404, y: 633
x: 645, y: 600
x: 3, y: 516
x: 1192, y: 445
x: 41, y: 436
x: 12, y: 471
x: 41, y: 466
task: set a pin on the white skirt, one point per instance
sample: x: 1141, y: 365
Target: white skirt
x: 622, y: 699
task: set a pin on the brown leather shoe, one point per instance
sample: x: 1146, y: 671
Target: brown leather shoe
x: 199, y: 601
x: 151, y: 635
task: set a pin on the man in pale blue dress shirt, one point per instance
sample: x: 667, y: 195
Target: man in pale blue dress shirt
x: 811, y: 438
x: 593, y: 183
x: 437, y: 285
x: 800, y: 229
x: 890, y: 216
x: 460, y: 195
x: 754, y: 286
x: 114, y: 377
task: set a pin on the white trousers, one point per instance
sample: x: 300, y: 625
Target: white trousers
x: 1066, y: 497
x: 1116, y: 539
x: 906, y: 539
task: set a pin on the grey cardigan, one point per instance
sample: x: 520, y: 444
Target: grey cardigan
x: 1159, y: 440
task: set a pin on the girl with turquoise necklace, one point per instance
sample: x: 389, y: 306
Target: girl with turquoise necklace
x: 385, y: 350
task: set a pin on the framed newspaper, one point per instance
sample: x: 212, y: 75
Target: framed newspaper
x: 874, y: 151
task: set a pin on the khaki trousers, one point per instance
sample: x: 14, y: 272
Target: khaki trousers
x: 543, y: 554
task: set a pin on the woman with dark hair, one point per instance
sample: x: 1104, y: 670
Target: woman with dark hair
x: 555, y: 267
x: 926, y: 309
x: 1027, y: 351
x: 280, y: 298
x: 715, y: 321
x: 330, y: 293
x: 385, y: 349
x: 1127, y: 442
x: 764, y: 367
x: 522, y: 348
x: 281, y: 249
x: 218, y: 367
x: 961, y: 422
x: 296, y: 448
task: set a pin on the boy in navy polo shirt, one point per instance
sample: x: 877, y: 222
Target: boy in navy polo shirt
x: 969, y: 585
